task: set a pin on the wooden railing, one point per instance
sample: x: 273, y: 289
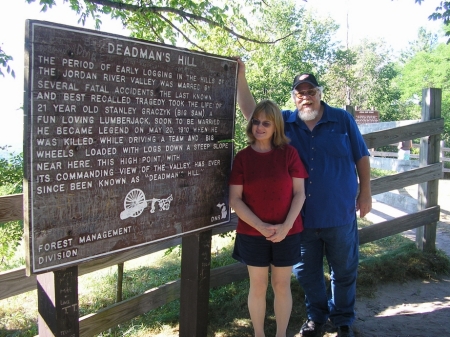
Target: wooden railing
x: 427, y: 176
x: 443, y: 157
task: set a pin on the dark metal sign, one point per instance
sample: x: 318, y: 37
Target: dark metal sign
x: 126, y: 143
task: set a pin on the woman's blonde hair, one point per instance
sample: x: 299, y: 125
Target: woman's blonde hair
x: 273, y: 114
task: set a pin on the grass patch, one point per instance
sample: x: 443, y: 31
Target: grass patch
x: 397, y: 260
x: 377, y: 173
x: 18, y: 315
x: 392, y: 259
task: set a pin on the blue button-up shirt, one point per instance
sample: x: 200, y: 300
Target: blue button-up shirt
x: 330, y: 153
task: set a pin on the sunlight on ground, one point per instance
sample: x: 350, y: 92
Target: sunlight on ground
x: 166, y: 331
x: 415, y: 302
x: 413, y: 308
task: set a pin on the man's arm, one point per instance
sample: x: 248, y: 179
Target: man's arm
x: 364, y: 199
x: 245, y: 98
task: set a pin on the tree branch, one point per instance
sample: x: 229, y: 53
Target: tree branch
x: 179, y: 31
x: 181, y: 13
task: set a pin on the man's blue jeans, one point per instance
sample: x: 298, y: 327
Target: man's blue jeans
x: 340, y: 246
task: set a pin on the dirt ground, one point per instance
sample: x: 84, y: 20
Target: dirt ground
x: 412, y: 309
x: 419, y: 308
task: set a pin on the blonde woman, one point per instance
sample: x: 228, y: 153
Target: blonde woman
x: 267, y: 194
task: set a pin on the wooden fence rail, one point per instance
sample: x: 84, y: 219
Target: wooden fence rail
x: 444, y: 155
x: 16, y: 282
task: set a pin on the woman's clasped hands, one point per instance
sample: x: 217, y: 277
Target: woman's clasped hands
x: 274, y: 233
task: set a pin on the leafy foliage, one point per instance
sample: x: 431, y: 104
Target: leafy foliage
x: 442, y: 13
x: 10, y: 238
x: 169, y: 20
x: 240, y: 138
x: 4, y: 59
x: 302, y: 44
x: 339, y: 77
x: 428, y: 70
x: 271, y: 69
x: 165, y: 21
x: 362, y: 77
x: 426, y: 42
x: 11, y: 175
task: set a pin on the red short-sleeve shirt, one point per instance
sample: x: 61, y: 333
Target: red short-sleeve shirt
x: 267, y: 184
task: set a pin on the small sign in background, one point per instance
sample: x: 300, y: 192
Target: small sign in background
x: 367, y: 116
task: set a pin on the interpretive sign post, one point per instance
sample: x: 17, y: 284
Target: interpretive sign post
x: 58, y: 303
x: 126, y: 142
x: 195, y: 276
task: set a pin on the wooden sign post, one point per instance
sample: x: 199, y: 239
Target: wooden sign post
x: 58, y: 303
x: 195, y: 271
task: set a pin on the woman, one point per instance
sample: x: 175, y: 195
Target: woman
x: 267, y: 194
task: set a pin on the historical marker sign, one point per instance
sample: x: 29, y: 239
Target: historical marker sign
x: 367, y: 116
x: 126, y: 143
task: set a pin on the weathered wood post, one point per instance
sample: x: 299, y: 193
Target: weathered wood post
x: 429, y: 154
x: 350, y: 109
x: 119, y: 282
x: 195, y: 272
x: 58, y: 303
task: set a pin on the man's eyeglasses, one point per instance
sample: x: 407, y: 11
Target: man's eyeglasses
x: 302, y: 93
x: 266, y: 124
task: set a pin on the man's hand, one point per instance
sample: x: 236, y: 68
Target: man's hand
x: 363, y: 204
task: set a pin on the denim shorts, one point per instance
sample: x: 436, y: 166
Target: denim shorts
x: 257, y: 251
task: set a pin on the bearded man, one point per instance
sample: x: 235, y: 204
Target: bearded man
x: 335, y: 155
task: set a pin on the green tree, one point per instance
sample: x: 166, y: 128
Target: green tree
x: 340, y: 79
x: 442, y: 13
x: 165, y: 21
x: 428, y: 70
x: 376, y: 70
x: 426, y: 41
x: 363, y: 77
x: 162, y: 16
x: 11, y: 173
x: 302, y: 43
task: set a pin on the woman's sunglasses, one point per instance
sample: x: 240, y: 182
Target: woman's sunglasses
x: 266, y: 124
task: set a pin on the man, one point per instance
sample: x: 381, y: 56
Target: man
x: 335, y: 156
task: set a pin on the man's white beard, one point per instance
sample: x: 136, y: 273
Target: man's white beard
x: 308, y: 116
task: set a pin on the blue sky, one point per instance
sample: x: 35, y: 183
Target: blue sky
x: 397, y: 22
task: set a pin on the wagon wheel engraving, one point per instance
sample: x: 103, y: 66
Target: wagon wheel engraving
x: 133, y: 200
